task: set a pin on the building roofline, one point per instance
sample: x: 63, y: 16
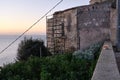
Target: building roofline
x: 57, y: 12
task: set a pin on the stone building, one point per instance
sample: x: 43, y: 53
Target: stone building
x: 79, y: 27
x: 100, y: 1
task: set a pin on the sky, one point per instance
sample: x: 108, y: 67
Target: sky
x: 18, y: 15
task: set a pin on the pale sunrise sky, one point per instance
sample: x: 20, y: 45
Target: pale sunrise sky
x: 17, y: 15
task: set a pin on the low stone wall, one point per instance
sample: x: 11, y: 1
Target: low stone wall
x: 106, y: 68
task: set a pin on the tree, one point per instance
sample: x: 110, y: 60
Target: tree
x: 31, y: 47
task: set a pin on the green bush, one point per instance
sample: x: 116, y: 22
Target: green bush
x: 90, y: 53
x: 58, y: 67
x: 31, y: 47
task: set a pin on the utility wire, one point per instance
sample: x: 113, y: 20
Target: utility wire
x: 31, y: 26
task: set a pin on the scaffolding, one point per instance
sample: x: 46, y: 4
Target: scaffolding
x: 56, y: 34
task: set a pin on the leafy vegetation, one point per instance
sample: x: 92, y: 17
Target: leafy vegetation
x: 58, y: 67
x: 90, y: 53
x: 77, y: 66
x: 31, y: 47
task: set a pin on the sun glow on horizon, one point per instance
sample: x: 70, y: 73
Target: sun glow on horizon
x: 11, y: 25
x: 16, y: 16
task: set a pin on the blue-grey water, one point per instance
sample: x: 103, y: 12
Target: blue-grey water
x: 9, y: 55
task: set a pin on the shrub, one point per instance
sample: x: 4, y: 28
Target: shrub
x: 89, y: 53
x: 79, y: 66
x: 31, y: 47
x: 58, y: 67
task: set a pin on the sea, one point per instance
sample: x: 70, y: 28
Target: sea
x: 9, y: 55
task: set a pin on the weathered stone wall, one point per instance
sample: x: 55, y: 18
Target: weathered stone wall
x: 79, y: 27
x: 99, y: 1
x: 96, y: 1
x: 49, y: 32
x: 63, y: 32
x: 113, y: 26
x: 93, y: 23
x: 70, y: 23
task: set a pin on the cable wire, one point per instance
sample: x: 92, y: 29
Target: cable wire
x: 31, y: 26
